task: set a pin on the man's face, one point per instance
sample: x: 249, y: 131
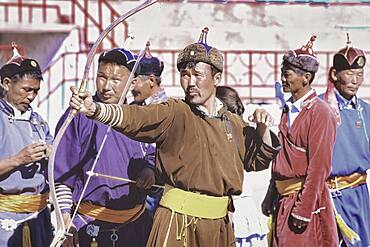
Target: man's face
x: 142, y: 87
x: 21, y: 93
x: 110, y: 82
x: 348, y: 82
x: 198, y: 83
x: 292, y: 81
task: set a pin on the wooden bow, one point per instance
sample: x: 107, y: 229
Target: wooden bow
x: 60, y: 231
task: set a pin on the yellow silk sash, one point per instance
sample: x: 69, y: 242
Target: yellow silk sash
x: 194, y: 204
x: 23, y: 203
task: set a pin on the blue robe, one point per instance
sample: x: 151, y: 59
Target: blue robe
x: 121, y: 157
x: 352, y: 154
x: 15, y: 134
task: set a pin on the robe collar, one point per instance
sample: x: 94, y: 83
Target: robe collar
x: 158, y: 97
x: 301, y: 102
x: 14, y: 113
x: 218, y: 106
x: 343, y: 103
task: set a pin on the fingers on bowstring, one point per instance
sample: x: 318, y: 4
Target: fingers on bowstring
x: 73, y: 89
x: 81, y: 95
x: 75, y: 102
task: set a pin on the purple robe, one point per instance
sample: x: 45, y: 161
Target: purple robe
x: 120, y: 156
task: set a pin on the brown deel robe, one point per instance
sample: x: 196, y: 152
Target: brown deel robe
x: 194, y: 154
x: 314, y: 131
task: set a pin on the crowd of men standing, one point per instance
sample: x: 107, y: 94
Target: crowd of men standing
x: 184, y: 159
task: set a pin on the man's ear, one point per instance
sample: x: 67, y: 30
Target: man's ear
x: 333, y: 74
x: 217, y: 78
x: 6, y: 83
x: 152, y: 80
x: 307, y: 78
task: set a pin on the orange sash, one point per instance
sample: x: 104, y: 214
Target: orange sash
x: 343, y: 182
x: 110, y: 215
x: 289, y: 186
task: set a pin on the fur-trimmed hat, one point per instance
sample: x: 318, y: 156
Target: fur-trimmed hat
x: 19, y: 65
x: 303, y: 58
x: 150, y: 65
x: 119, y: 56
x: 349, y: 57
x: 201, y: 52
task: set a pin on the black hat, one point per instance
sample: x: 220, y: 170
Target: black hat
x: 303, y: 58
x: 201, y: 52
x: 349, y: 58
x: 119, y: 56
x: 150, y: 65
x: 19, y: 65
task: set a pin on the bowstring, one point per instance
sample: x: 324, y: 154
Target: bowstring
x: 120, y: 102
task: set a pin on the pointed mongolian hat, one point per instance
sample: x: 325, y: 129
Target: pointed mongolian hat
x: 201, y: 52
x: 303, y: 58
x: 19, y: 65
x: 150, y: 65
x: 349, y: 57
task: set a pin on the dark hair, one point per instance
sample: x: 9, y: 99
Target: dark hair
x: 158, y: 79
x: 230, y: 97
x: 31, y: 74
x: 287, y: 65
x: 214, y: 70
x: 111, y: 62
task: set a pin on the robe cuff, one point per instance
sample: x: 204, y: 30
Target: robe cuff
x: 265, y: 154
x: 301, y: 213
x: 64, y: 197
x: 66, y: 211
x: 97, y: 109
x: 111, y: 114
x: 300, y: 217
x: 274, y: 148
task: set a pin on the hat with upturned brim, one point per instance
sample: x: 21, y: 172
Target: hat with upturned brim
x: 349, y: 57
x: 19, y: 65
x: 119, y: 56
x: 201, y: 52
x: 303, y: 58
x: 150, y: 65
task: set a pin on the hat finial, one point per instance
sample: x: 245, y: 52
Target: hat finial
x: 148, y: 54
x: 349, y: 43
x: 203, y: 36
x: 15, y: 51
x: 308, y: 46
x: 14, y: 45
